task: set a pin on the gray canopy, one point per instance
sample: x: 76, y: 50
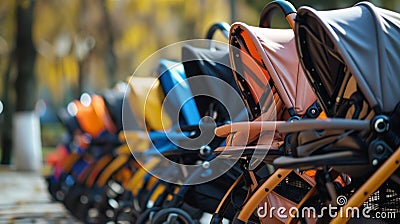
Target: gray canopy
x: 365, y: 38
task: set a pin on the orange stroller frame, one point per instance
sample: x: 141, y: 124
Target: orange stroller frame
x: 280, y: 174
x: 290, y: 91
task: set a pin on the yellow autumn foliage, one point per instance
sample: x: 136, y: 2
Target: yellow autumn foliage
x: 138, y: 29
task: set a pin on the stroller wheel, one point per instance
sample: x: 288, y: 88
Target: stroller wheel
x: 172, y: 216
x: 148, y: 215
x: 127, y: 215
x: 59, y: 196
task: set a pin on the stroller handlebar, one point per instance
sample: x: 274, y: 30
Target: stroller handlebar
x: 222, y: 26
x: 296, y: 126
x: 286, y: 7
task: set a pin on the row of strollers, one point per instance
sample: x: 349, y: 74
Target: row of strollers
x: 274, y: 126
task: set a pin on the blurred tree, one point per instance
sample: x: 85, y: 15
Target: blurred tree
x: 109, y: 56
x: 7, y: 53
x: 6, y: 137
x: 26, y: 127
x: 81, y: 49
x: 25, y: 84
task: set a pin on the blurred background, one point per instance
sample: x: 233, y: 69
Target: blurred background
x: 53, y: 51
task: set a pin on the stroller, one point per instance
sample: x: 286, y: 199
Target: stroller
x: 151, y: 117
x: 274, y: 86
x: 204, y: 197
x: 112, y: 190
x: 355, y: 76
x: 116, y: 192
x: 98, y: 189
x: 86, y: 151
x: 141, y: 185
x: 98, y: 186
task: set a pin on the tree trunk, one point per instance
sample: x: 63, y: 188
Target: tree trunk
x: 6, y: 138
x: 109, y: 56
x: 81, y: 24
x: 25, y: 85
x: 26, y: 125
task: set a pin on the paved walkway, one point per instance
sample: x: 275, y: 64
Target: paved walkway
x: 24, y: 199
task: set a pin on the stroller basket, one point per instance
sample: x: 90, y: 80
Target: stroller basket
x: 293, y: 187
x: 385, y: 199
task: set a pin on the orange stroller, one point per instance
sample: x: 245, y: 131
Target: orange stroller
x: 274, y: 87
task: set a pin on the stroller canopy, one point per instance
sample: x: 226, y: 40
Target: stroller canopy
x: 93, y: 118
x: 204, y: 63
x: 113, y: 99
x: 363, y: 40
x: 145, y: 100
x: 274, y: 51
x: 177, y: 90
